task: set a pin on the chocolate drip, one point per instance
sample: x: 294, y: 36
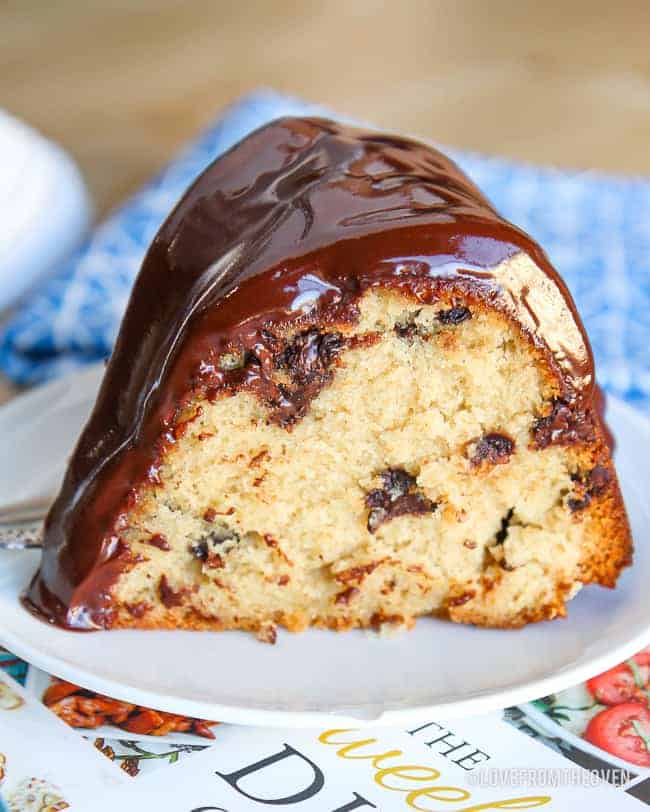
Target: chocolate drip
x: 289, y: 227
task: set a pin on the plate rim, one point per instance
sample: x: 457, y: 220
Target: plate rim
x: 359, y: 715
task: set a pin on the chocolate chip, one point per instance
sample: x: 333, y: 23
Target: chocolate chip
x: 408, y: 330
x: 397, y: 497
x: 310, y: 354
x: 200, y: 550
x: 306, y: 358
x: 454, y: 315
x: 565, y: 425
x: 397, y: 482
x: 205, y: 546
x: 493, y: 448
x: 579, y: 504
x: 594, y: 483
x: 304, y: 362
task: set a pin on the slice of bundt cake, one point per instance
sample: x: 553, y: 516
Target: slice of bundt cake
x: 345, y: 393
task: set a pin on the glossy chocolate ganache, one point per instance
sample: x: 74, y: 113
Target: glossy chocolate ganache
x: 294, y: 223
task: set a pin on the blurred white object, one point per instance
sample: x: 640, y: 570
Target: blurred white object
x: 45, y: 210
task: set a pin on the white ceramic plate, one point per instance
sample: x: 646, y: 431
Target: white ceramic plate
x: 439, y: 670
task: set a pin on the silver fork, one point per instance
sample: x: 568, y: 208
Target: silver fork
x: 21, y: 524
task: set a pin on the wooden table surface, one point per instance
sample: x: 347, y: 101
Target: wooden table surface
x: 122, y: 85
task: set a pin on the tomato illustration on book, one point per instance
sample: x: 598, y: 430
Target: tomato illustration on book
x: 624, y: 731
x: 623, y: 728
x: 607, y: 717
x: 627, y: 682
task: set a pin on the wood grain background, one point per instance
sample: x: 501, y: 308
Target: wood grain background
x: 122, y: 85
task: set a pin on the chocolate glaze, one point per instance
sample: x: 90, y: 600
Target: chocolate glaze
x: 303, y: 362
x: 292, y: 224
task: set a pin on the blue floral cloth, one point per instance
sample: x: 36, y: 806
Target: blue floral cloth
x: 595, y: 228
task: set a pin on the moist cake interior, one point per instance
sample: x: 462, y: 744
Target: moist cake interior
x: 399, y: 475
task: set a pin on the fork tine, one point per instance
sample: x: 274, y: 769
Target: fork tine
x: 21, y: 537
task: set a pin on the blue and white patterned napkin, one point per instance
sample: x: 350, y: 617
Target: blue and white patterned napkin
x: 595, y: 228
